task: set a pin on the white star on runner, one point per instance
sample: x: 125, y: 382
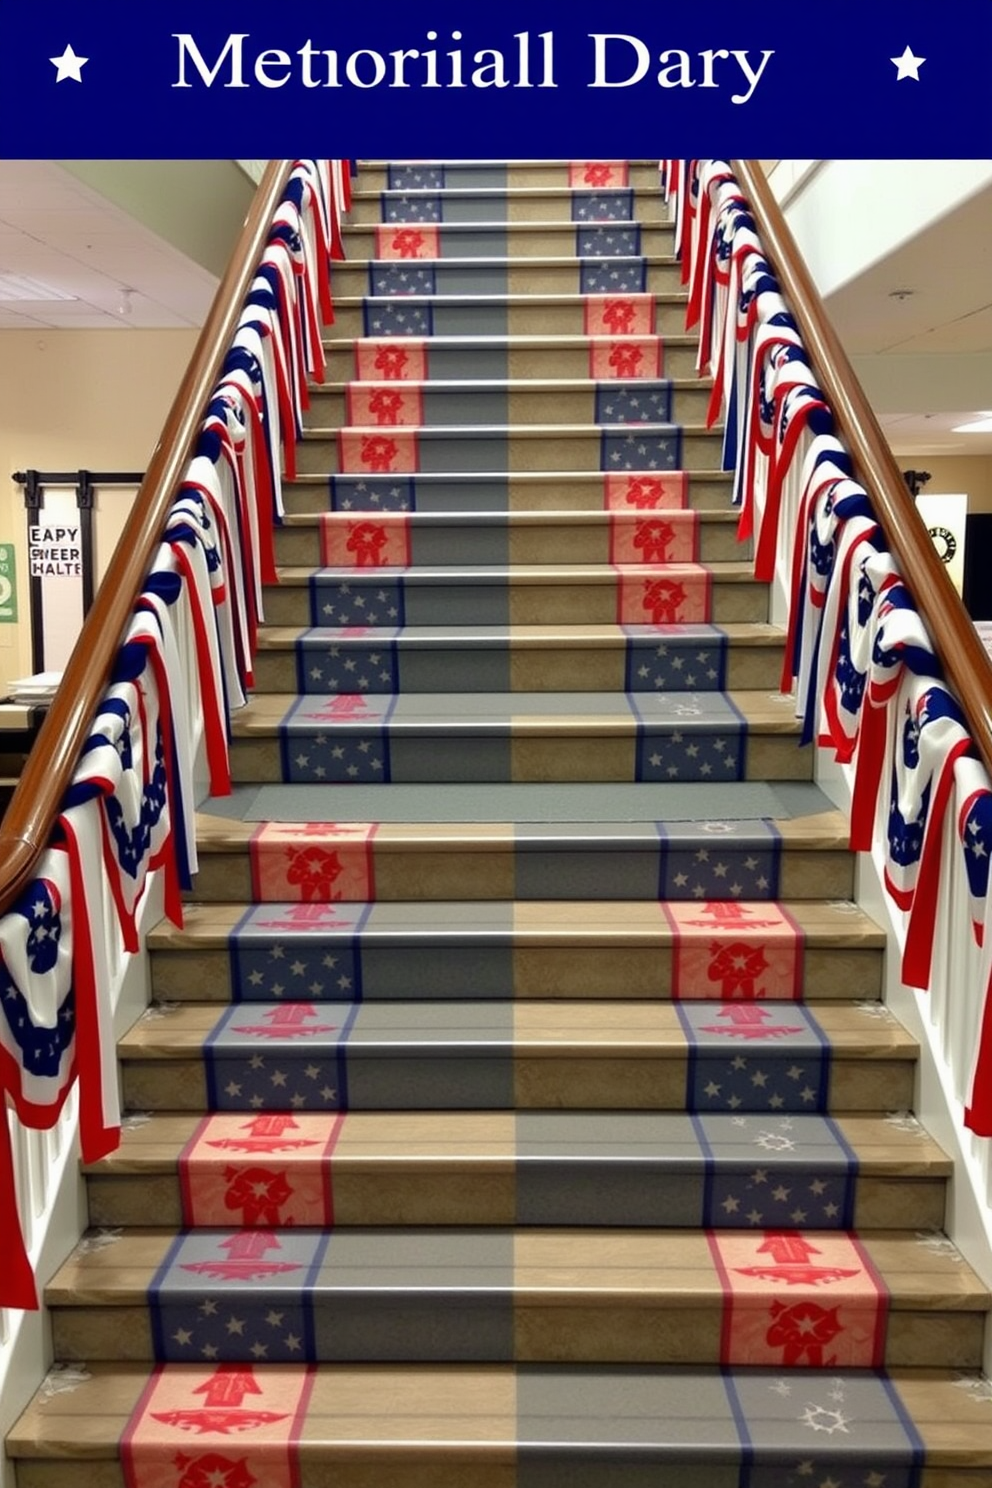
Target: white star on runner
x: 68, y: 66
x: 907, y: 66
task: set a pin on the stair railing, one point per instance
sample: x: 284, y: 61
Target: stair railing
x: 889, y: 675
x: 102, y: 819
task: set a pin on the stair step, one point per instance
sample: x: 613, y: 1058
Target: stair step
x: 491, y: 949
x: 424, y: 175
x: 538, y: 1167
x: 456, y: 357
x: 530, y: 1296
x: 497, y: 1056
x: 518, y: 594
x: 519, y: 659
x: 497, y: 1426
x: 631, y: 262
x: 523, y: 736
x: 502, y: 204
x: 627, y: 402
x: 497, y: 237
x: 524, y: 491
x: 373, y: 539
x: 490, y: 448
x: 802, y: 857
x: 508, y: 315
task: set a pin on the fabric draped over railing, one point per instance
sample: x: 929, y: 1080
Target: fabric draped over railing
x: 868, y: 683
x: 184, y: 664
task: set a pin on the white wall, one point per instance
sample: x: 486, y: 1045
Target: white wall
x: 849, y: 214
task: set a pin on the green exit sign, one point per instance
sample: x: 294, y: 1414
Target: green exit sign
x: 8, y: 585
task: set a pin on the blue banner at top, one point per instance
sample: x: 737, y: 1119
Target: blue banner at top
x: 886, y: 78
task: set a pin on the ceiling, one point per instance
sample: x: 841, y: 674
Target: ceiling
x: 74, y: 241
x: 932, y: 299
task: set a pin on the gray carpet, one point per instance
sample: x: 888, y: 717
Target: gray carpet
x: 741, y: 801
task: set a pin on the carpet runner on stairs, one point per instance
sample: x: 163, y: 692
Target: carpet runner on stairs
x: 516, y: 1107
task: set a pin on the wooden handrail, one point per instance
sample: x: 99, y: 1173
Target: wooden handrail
x: 31, y: 815
x: 962, y: 654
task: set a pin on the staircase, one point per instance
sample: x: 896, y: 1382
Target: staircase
x: 517, y: 1106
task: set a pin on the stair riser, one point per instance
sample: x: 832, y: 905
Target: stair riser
x: 485, y: 271
x: 601, y: 403
x: 590, y: 601
x: 478, y: 875
x: 411, y: 1328
x: 549, y: 669
x: 495, y: 173
x: 429, y: 758
x: 485, y: 205
x: 369, y: 1195
x: 443, y: 451
x: 564, y: 315
x: 492, y: 1083
x: 403, y: 970
x: 445, y: 361
x: 440, y: 544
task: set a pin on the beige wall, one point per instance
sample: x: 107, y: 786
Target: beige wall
x: 971, y: 474
x: 70, y: 399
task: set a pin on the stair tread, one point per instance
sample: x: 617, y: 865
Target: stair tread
x: 482, y: 517
x: 892, y: 1145
x: 521, y: 713
x: 517, y: 431
x: 537, y: 922
x: 823, y: 830
x: 538, y: 1029
x: 478, y: 1413
x: 543, y: 261
x: 722, y: 570
x: 750, y: 632
x: 613, y: 1267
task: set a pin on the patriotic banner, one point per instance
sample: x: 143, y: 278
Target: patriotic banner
x: 673, y: 538
x: 276, y: 1171
x: 381, y: 405
x: 407, y: 242
x: 385, y: 361
x: 225, y: 1426
x: 625, y: 357
x: 776, y: 1172
x: 598, y: 173
x: 731, y: 951
x: 304, y: 952
x: 368, y: 542
x: 263, y: 1058
x: 313, y: 862
x: 648, y: 449
x: 646, y: 491
x: 714, y: 860
x: 363, y: 451
x: 678, y: 595
x: 675, y: 658
x: 619, y: 315
x: 629, y: 401
x: 792, y: 1302
x: 746, y: 1056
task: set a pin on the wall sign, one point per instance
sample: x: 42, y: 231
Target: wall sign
x: 8, y: 585
x: 945, y: 518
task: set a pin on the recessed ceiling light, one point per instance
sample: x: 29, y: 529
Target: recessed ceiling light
x: 980, y: 424
x: 20, y: 287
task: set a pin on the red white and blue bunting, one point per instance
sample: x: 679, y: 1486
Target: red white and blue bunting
x: 185, y: 663
x: 869, y: 685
